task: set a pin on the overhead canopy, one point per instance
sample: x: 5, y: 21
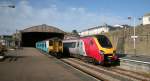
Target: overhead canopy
x: 31, y: 35
x: 42, y: 28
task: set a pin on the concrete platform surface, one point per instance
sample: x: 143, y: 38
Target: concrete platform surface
x: 135, y: 58
x: 28, y: 64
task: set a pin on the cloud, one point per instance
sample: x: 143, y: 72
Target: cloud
x: 25, y: 15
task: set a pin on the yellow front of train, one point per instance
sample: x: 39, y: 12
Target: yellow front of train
x: 106, y: 48
x: 58, y: 46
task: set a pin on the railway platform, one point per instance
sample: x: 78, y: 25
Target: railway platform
x: 28, y: 64
x: 135, y: 58
x: 137, y: 63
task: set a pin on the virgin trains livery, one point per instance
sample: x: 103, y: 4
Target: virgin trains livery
x: 97, y: 49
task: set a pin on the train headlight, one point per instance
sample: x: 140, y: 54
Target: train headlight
x: 102, y: 52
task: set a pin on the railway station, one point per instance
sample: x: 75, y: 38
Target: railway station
x: 34, y: 62
x: 29, y: 36
x: 54, y: 40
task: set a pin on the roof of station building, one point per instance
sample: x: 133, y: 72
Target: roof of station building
x: 43, y: 28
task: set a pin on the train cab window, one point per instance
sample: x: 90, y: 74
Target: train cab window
x: 104, y: 41
x: 50, y: 43
x: 60, y: 43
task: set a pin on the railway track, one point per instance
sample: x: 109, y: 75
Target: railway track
x: 105, y: 74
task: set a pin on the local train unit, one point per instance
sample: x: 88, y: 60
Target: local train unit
x: 52, y: 46
x: 3, y: 49
x: 97, y: 49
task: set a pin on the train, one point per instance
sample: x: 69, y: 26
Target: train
x: 97, y: 49
x: 53, y: 46
x: 2, y: 50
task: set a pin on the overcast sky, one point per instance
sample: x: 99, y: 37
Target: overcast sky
x: 68, y: 14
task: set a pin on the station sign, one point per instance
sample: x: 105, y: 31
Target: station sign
x: 134, y: 37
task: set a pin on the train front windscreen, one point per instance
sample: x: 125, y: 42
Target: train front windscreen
x: 104, y: 41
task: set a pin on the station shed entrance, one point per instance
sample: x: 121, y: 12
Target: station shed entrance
x: 29, y: 36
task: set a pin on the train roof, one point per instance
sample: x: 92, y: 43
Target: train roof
x: 92, y: 36
x: 54, y: 38
x: 71, y: 40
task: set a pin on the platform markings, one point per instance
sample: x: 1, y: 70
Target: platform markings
x: 136, y: 61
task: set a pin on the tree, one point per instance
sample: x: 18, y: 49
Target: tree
x: 75, y: 32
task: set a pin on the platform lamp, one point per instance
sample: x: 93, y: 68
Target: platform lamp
x: 134, y: 36
x: 9, y: 6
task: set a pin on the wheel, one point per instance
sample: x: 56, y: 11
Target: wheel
x: 58, y: 55
x: 94, y: 61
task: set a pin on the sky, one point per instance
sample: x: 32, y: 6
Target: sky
x: 69, y: 14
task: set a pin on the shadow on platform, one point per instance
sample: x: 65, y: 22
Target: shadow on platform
x: 12, y: 58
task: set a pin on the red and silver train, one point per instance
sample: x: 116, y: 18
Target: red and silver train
x: 97, y: 49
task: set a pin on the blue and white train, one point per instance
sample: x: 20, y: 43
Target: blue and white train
x: 52, y: 46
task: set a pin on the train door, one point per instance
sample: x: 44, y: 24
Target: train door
x: 91, y: 48
x: 81, y: 48
x: 73, y: 48
x: 60, y: 46
x: 50, y: 46
x: 47, y: 46
x: 56, y: 46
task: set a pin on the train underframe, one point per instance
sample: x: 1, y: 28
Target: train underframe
x: 56, y: 54
x: 114, y: 60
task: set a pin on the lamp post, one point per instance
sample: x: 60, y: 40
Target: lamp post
x: 134, y: 36
x: 7, y: 6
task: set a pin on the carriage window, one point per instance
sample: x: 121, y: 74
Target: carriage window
x: 77, y: 44
x: 50, y: 43
x: 81, y: 43
x: 44, y: 44
x: 71, y: 44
